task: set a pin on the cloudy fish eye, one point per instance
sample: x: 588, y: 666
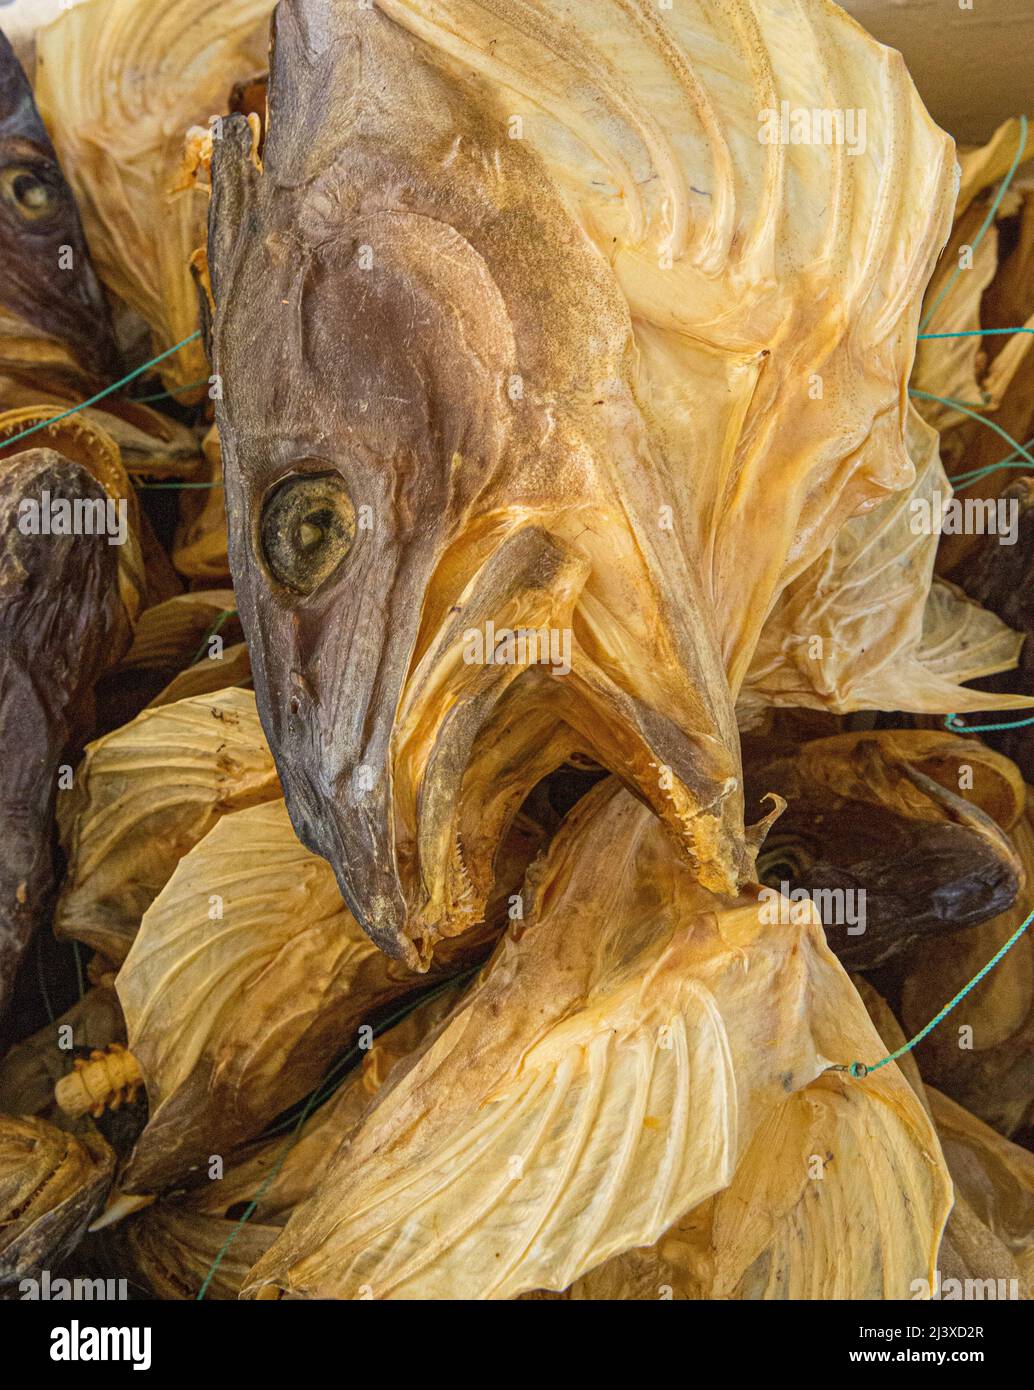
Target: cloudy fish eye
x: 308, y: 526
x: 33, y: 198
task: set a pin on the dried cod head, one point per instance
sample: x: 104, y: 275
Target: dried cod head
x: 505, y: 347
x: 55, y: 327
x: 878, y: 829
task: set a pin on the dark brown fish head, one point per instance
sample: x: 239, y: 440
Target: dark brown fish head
x: 51, y: 303
x: 61, y: 624
x: 436, y: 491
x: 894, y: 835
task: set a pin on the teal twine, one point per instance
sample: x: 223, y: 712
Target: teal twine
x: 967, y: 409
x: 975, y: 333
x: 151, y: 486
x: 83, y: 405
x: 986, y: 222
x: 78, y: 968
x: 961, y: 481
x: 964, y: 480
x: 162, y: 395
x: 953, y: 723
x: 212, y: 632
x: 860, y: 1069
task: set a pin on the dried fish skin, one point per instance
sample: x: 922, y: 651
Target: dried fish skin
x: 61, y: 623
x: 994, y: 1176
x: 168, y: 636
x: 181, y: 634
x: 199, y: 551
x: 986, y: 1236
x: 835, y: 1216
x: 867, y: 626
x: 51, y: 1183
x: 877, y: 826
x: 206, y: 677
x: 971, y: 1250
x: 119, y: 84
x: 145, y: 794
x: 835, y: 1198
x: 83, y: 441
x: 288, y: 976
x: 170, y: 1251
x: 643, y: 331
x: 983, y: 166
x: 307, y: 1157
x: 545, y: 1125
x: 170, y: 1247
x: 54, y: 319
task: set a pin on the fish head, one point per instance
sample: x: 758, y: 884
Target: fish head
x: 55, y: 310
x: 438, y: 486
x: 880, y: 830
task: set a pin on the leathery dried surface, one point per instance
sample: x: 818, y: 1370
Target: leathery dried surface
x: 445, y: 817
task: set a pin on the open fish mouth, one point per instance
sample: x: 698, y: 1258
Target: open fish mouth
x: 475, y: 388
x: 411, y: 809
x: 470, y: 478
x: 503, y: 696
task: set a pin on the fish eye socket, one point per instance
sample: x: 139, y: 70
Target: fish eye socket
x: 785, y: 862
x: 31, y: 196
x: 308, y: 526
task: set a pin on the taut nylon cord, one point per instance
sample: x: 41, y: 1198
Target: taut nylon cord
x: 860, y: 1069
x: 952, y: 722
x: 83, y: 405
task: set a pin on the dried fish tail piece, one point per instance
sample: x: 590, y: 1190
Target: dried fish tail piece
x: 109, y: 1079
x: 51, y: 1183
x: 633, y: 1045
x: 597, y: 378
